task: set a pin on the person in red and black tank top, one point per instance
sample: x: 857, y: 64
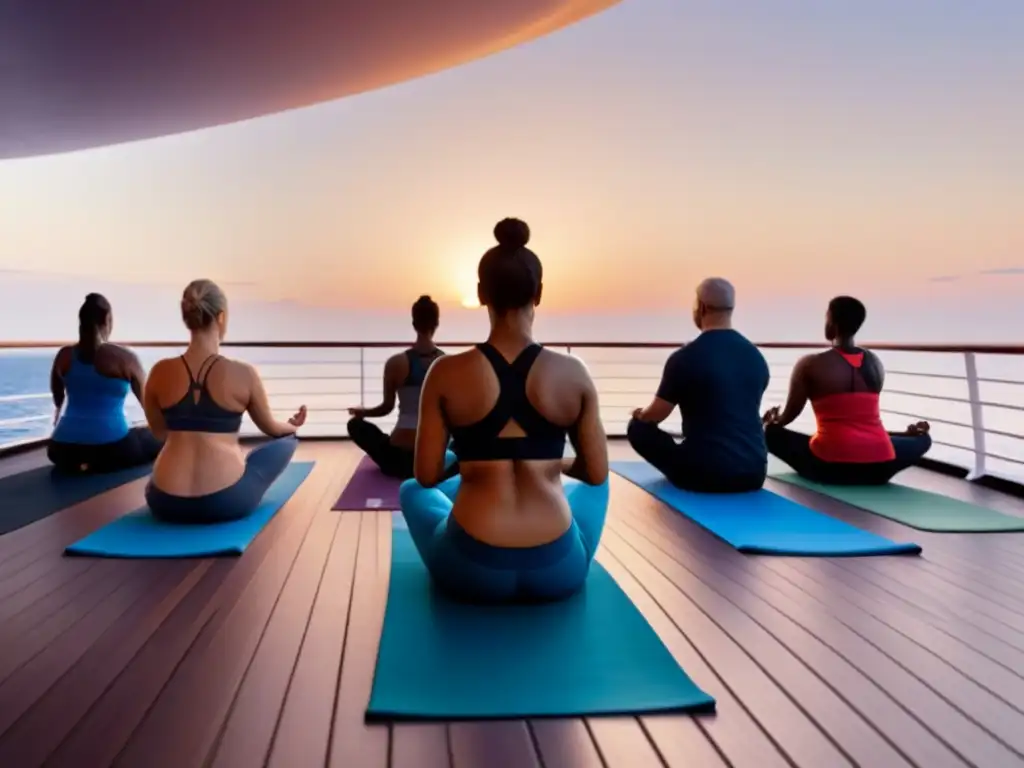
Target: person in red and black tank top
x: 850, y: 445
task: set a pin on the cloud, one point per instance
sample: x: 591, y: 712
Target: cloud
x: 1003, y: 271
x: 944, y: 278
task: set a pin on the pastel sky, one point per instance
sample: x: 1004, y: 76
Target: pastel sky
x: 800, y: 149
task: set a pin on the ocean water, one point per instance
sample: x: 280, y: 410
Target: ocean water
x: 927, y: 386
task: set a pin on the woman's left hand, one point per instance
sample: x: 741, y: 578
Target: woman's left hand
x: 771, y: 416
x: 299, y: 418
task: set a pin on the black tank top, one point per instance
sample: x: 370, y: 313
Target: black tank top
x: 480, y: 441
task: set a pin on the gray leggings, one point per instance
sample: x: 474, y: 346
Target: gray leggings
x: 263, y: 465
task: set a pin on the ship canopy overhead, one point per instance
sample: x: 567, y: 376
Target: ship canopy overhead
x: 76, y: 75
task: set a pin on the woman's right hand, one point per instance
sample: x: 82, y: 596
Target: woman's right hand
x: 771, y: 416
x: 299, y: 418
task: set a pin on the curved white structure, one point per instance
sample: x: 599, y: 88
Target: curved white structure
x: 75, y: 75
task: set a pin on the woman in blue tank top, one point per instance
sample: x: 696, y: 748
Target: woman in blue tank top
x: 197, y: 401
x: 508, y: 529
x: 403, y: 378
x: 90, y: 382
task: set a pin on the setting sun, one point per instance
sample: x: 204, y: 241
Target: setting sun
x: 470, y: 302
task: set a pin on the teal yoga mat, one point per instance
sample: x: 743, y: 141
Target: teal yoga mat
x: 593, y: 654
x: 140, y: 535
x: 37, y: 493
x: 763, y: 522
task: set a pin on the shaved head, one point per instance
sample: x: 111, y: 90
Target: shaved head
x: 717, y: 294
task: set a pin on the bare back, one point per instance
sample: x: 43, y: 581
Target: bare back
x: 194, y: 463
x: 831, y: 373
x: 517, y: 502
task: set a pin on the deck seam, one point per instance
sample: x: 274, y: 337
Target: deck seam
x: 345, y: 641
x: 893, y: 660
x: 214, y: 747
x: 733, y: 693
x: 909, y: 615
x: 839, y: 694
x: 777, y: 683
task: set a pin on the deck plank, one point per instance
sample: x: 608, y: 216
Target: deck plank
x: 181, y: 727
x: 304, y: 733
x: 838, y: 648
x: 31, y: 739
x: 353, y: 741
x: 733, y: 729
x: 101, y: 735
x: 268, y: 659
x: 249, y: 730
x: 565, y: 743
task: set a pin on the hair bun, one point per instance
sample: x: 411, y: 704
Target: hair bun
x: 512, y: 233
x: 425, y: 299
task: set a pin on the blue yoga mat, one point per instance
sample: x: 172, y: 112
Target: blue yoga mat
x: 593, y: 654
x: 140, y: 535
x: 762, y: 522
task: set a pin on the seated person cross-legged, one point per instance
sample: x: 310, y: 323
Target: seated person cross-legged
x: 94, y: 377
x: 850, y: 445
x: 403, y: 377
x: 507, y: 530
x: 717, y: 381
x: 197, y: 401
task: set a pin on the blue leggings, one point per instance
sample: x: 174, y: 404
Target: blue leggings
x: 263, y: 465
x: 472, y: 570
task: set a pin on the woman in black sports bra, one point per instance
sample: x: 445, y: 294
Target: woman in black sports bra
x: 507, y: 529
x: 197, y: 401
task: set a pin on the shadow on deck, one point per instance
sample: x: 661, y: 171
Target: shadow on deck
x: 268, y: 659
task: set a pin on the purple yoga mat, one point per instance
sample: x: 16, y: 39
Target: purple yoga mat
x: 369, y: 488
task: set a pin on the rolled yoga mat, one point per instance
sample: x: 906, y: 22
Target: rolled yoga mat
x: 912, y: 507
x: 140, y: 535
x: 369, y: 488
x: 37, y: 493
x: 762, y: 522
x: 593, y: 654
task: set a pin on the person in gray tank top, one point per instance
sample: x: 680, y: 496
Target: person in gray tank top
x: 403, y: 378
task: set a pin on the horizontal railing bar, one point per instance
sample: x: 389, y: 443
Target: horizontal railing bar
x: 924, y: 375
x: 981, y: 349
x: 18, y: 398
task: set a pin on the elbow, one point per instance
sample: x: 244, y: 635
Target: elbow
x: 427, y: 478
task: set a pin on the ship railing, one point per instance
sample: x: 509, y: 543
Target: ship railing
x: 973, y: 396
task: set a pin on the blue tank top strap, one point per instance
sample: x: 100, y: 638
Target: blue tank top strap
x: 482, y: 441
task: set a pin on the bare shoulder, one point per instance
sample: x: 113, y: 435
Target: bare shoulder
x: 162, y: 367
x: 122, y: 354
x: 567, y: 367
x: 62, y: 360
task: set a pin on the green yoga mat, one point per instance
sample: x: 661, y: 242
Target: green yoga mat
x: 592, y: 654
x: 919, y: 509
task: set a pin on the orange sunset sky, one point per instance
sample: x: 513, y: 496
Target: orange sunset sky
x: 868, y: 147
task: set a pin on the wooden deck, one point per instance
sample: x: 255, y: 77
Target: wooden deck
x: 268, y: 659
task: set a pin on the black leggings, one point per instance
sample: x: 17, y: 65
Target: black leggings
x: 136, y: 448
x: 659, y: 449
x: 794, y: 448
x: 392, y: 460
x: 263, y: 465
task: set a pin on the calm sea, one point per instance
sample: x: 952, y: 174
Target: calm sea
x: 328, y: 382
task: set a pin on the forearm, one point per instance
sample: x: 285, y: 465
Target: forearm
x: 280, y: 429
x: 379, y: 410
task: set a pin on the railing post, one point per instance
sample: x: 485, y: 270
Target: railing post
x: 362, y: 376
x: 977, y: 416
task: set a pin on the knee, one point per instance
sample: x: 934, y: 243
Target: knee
x: 354, y: 427
x: 636, y: 430
x: 409, y: 493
